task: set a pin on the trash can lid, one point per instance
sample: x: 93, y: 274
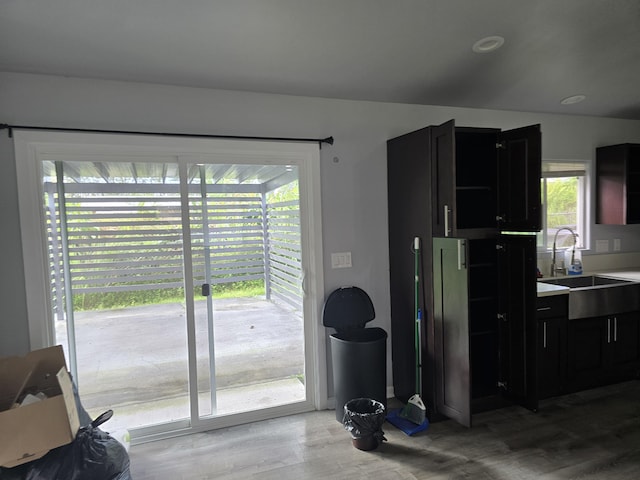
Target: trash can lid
x: 347, y: 308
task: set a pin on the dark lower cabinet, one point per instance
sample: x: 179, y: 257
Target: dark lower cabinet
x: 452, y: 332
x: 517, y: 318
x: 602, y: 350
x: 573, y: 355
x: 484, y: 299
x: 552, y: 340
x: 624, y: 338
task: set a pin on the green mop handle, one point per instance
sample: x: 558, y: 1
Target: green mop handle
x: 417, y: 315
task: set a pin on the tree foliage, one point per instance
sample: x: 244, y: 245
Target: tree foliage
x: 562, y: 202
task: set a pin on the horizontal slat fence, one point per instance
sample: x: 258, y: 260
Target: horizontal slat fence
x: 285, y: 271
x: 120, y: 242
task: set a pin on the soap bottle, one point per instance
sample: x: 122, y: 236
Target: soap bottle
x: 574, y: 262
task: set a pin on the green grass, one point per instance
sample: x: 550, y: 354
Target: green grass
x: 111, y: 300
x: 249, y: 291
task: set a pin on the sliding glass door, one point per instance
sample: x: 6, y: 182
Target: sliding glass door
x: 250, y: 347
x: 176, y: 280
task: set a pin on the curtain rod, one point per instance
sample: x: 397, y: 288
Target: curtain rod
x: 10, y: 128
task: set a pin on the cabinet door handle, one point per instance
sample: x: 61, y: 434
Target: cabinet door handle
x: 615, y: 329
x: 461, y: 255
x: 544, y: 335
x: 543, y: 309
x: 446, y: 221
x: 608, y: 330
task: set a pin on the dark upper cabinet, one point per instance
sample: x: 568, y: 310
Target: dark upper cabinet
x: 443, y: 180
x: 485, y: 178
x: 519, y: 166
x: 618, y: 184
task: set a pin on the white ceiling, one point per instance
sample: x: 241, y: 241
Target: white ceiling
x: 407, y: 51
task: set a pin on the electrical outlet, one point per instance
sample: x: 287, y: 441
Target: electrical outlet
x: 602, y: 246
x: 616, y: 244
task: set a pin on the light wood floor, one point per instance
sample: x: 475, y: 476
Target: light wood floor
x: 591, y: 435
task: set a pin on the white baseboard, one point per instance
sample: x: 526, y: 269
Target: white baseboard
x: 331, y: 401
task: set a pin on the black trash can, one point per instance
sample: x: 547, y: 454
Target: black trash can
x: 358, y: 354
x: 363, y: 419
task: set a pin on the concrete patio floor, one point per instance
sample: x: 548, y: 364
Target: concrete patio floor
x: 134, y: 360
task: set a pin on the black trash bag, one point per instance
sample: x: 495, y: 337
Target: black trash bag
x: 104, y: 456
x: 83, y: 416
x: 15, y: 473
x: 363, y: 417
x: 93, y: 455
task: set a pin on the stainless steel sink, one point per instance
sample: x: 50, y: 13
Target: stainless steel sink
x: 596, y: 296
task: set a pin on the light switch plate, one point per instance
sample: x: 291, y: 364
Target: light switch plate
x: 341, y: 260
x: 616, y: 244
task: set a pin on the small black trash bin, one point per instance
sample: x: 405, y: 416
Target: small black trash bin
x: 363, y: 418
x: 358, y: 354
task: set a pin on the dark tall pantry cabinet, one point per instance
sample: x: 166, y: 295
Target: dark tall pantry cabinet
x: 465, y: 192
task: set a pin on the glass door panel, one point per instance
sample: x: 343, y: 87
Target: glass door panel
x: 116, y: 254
x: 245, y: 249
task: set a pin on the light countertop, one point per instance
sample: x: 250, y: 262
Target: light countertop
x: 633, y: 275
x: 547, y: 289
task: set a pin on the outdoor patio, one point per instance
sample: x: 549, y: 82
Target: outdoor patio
x: 134, y: 360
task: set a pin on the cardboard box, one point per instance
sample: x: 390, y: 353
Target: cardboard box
x: 28, y: 432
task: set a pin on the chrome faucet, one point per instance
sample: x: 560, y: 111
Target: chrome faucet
x: 554, y: 270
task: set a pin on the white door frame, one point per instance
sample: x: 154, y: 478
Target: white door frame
x: 33, y: 147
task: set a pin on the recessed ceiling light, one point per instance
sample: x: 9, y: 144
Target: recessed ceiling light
x: 488, y: 44
x: 573, y: 99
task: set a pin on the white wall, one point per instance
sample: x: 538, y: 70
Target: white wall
x: 353, y: 170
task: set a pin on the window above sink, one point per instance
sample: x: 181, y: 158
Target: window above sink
x: 564, y: 190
